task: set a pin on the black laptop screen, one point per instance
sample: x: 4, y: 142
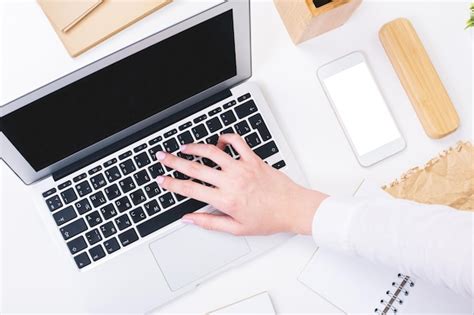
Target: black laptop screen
x: 124, y: 93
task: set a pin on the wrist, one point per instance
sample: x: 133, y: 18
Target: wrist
x: 309, y: 202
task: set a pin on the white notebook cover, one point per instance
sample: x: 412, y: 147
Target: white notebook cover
x: 356, y: 285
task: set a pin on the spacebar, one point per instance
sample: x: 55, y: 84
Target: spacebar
x: 169, y: 216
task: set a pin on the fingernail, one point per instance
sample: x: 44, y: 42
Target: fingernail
x: 183, y: 147
x: 187, y: 221
x: 160, y: 180
x: 160, y: 155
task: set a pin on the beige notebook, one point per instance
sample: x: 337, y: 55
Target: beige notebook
x: 94, y: 23
x: 64, y: 14
x: 447, y: 179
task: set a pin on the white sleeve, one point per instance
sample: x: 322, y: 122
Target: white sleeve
x: 431, y: 242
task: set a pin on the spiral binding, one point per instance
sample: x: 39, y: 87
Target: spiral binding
x: 395, y: 296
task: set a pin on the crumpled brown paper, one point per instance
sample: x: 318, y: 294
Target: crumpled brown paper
x: 447, y: 179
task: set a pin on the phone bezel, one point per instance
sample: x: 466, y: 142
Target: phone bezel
x: 342, y: 64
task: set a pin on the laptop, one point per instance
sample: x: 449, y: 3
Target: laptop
x: 86, y: 145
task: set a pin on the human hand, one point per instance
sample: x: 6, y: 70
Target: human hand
x: 255, y: 199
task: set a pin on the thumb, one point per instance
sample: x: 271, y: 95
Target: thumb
x: 213, y: 222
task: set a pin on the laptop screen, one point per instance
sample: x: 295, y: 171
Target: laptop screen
x: 124, y: 93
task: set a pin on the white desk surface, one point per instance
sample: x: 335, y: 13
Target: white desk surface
x: 286, y: 74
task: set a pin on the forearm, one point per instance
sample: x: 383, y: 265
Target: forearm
x: 428, y: 241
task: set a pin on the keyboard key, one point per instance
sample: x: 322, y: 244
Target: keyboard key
x: 170, y: 133
x: 125, y: 155
x: 244, y: 97
x: 127, y: 184
x: 112, y: 192
x: 215, y: 111
x: 123, y: 222
x: 77, y: 245
x: 65, y: 215
x: 127, y: 167
x: 82, y: 260
x: 54, y: 203
x: 200, y: 118
x: 242, y: 128
x: 155, y: 140
x: 227, y: 130
x: 79, y: 177
x: 185, y: 138
x: 93, y: 218
x: 257, y: 122
x: 111, y: 245
x: 207, y: 162
x: 97, y: 252
x: 213, y: 124
x: 230, y: 104
x: 228, y: 117
x: 181, y: 176
x: 73, y: 229
x: 83, y: 206
x: 155, y: 150
x: 98, y: 181
x: 156, y: 170
x: 93, y: 236
x: 141, y: 177
x: 152, y: 190
x: 142, y: 160
x: 169, y: 216
x: 267, y: 150
x: 110, y: 162
x: 113, y: 174
x: 151, y: 207
x: 246, y: 109
x: 141, y: 147
x: 69, y: 195
x: 166, y: 200
x: 253, y: 140
x: 83, y: 188
x: 199, y: 131
x: 212, y: 140
x: 108, y: 211
x: 279, y: 165
x: 64, y: 185
x: 49, y: 192
x: 94, y: 170
x: 171, y: 145
x: 185, y: 156
x: 128, y: 237
x: 137, y: 215
x: 108, y: 229
x: 123, y: 204
x: 185, y: 126
x: 137, y: 197
x: 98, y: 199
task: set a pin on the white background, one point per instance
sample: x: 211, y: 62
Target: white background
x: 32, y: 56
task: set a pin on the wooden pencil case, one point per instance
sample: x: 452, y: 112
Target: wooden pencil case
x: 419, y: 78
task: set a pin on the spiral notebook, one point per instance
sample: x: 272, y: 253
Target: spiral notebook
x: 357, y: 286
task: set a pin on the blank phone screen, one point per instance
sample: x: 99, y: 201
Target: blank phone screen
x: 361, y: 108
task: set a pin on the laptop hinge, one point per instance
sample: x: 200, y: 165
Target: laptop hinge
x: 141, y: 134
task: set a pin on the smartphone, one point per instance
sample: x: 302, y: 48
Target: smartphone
x: 361, y: 109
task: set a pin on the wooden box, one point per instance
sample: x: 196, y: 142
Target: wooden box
x: 304, y: 19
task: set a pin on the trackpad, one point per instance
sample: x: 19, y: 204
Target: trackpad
x: 192, y: 253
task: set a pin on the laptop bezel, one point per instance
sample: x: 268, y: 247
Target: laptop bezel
x: 241, y: 18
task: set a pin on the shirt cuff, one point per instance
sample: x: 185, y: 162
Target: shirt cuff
x: 332, y: 223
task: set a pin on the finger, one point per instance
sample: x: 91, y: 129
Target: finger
x: 237, y: 143
x: 213, y: 222
x: 208, y: 151
x: 189, y: 189
x: 192, y: 169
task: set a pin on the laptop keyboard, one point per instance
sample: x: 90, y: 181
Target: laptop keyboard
x: 112, y: 205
